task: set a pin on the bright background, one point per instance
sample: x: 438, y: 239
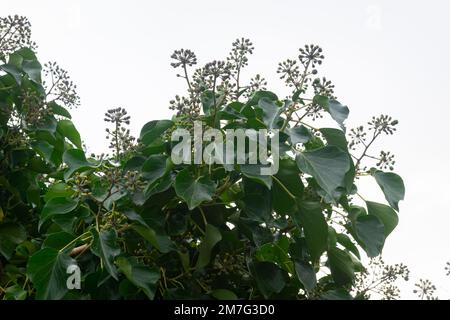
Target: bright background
x: 383, y: 56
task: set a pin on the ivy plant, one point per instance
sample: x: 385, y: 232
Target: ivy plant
x: 138, y: 226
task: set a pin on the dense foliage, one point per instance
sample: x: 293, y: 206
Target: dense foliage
x: 139, y: 226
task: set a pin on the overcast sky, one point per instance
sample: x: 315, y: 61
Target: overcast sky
x: 383, y: 56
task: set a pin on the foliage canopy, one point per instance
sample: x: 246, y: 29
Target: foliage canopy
x: 139, y: 226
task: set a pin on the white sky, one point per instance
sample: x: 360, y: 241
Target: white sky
x: 383, y: 56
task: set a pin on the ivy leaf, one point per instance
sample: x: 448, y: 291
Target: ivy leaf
x: 11, y: 235
x: 345, y: 241
x: 154, y: 167
x: 68, y: 130
x: 47, y: 269
x: 261, y: 94
x: 15, y: 292
x: 328, y: 165
x: 76, y: 162
x: 212, y: 237
x: 392, y: 186
x: 58, y: 240
x: 335, y: 137
x: 299, y: 134
x: 33, y: 69
x: 385, y: 214
x: 257, y: 201
x: 310, y: 217
x: 253, y: 171
x: 370, y: 232
x: 269, y: 278
x: 341, y: 266
x: 207, y: 98
x: 58, y: 190
x: 57, y: 206
x: 104, y: 246
x: 337, y: 111
x: 142, y: 276
x: 59, y: 110
x: 193, y: 191
x: 271, y: 112
x: 160, y: 242
x: 306, y: 274
x: 153, y: 129
x: 286, y: 187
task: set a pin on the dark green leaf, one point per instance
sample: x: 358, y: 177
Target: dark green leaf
x: 310, y: 217
x: 271, y: 112
x: 341, y: 266
x: 269, y: 278
x: 68, y: 130
x: 76, y: 161
x: 261, y: 94
x: 212, y: 237
x: 154, y: 167
x: 328, y: 165
x: 47, y: 269
x: 370, y: 232
x: 193, y: 190
x: 105, y: 246
x: 392, y: 186
x: 385, y: 214
x: 286, y: 187
x: 335, y: 137
x: 142, y: 276
x: 153, y: 129
x: 299, y: 134
x: 57, y: 206
x: 306, y: 275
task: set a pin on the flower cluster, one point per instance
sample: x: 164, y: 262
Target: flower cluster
x: 61, y: 88
x: 311, y: 54
x: 15, y: 33
x: 383, y: 124
x: 425, y: 289
x: 120, y: 138
x: 183, y: 57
